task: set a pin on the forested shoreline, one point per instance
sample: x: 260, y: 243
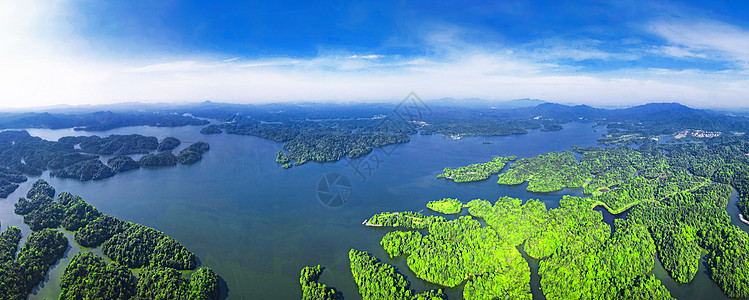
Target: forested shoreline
x: 676, y: 195
x: 672, y: 168
x: 78, y: 157
x: 157, y: 258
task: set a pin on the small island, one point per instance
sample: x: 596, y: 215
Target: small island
x: 675, y: 215
x: 377, y: 280
x: 446, y: 206
x: 192, y: 153
x: 407, y: 219
x: 476, y: 172
x: 78, y: 157
x: 313, y: 290
x: 163, y: 159
x: 168, y: 144
x: 122, y: 163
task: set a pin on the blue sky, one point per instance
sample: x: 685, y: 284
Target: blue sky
x: 592, y: 52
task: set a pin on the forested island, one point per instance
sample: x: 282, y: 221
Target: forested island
x: 330, y: 134
x: 675, y: 194
x: 477, y: 172
x: 158, y: 259
x: 333, y: 132
x: 448, y: 206
x: 311, y: 289
x: 670, y: 167
x: 580, y: 257
x: 78, y: 157
x: 319, y: 141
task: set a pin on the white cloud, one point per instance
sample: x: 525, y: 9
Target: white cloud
x: 39, y: 69
x: 576, y: 50
x: 176, y: 66
x: 370, y: 56
x: 678, y: 52
x: 704, y: 38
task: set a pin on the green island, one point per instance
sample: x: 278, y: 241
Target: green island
x: 92, y: 169
x: 159, y: 261
x: 329, y: 134
x: 313, y: 290
x: 476, y: 172
x: 20, y: 273
x: 545, y: 173
x: 617, y: 178
x: 379, y: 281
x: 406, y: 219
x: 446, y: 206
x: 122, y: 163
x: 192, y: 153
x: 676, y: 195
x: 113, y: 144
x: 322, y: 141
x: 168, y: 144
x: 672, y: 171
x: 162, y: 159
x: 580, y: 257
x: 77, y: 157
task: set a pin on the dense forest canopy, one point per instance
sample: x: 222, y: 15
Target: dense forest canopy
x: 78, y: 157
x: 671, y: 167
x: 676, y: 194
x: 159, y: 260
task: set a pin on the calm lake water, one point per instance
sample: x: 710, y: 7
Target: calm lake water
x: 257, y: 225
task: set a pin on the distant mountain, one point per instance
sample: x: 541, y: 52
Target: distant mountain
x: 96, y: 121
x: 518, y: 103
x: 445, y: 110
x: 560, y: 111
x: 655, y: 111
x: 481, y: 103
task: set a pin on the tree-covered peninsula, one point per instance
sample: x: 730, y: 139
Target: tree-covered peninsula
x: 128, y: 245
x: 379, y: 281
x: 168, y: 144
x: 122, y: 163
x: 337, y: 131
x: 677, y: 206
x: 20, y: 274
x: 407, y: 219
x: 77, y: 157
x: 313, y: 290
x: 448, y: 206
x: 113, y: 144
x: 192, y: 153
x: 477, y: 172
x: 309, y: 134
x: 487, y: 260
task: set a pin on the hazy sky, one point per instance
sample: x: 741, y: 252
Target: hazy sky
x: 594, y: 52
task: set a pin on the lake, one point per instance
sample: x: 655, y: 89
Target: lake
x: 257, y: 225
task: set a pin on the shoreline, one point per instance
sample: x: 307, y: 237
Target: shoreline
x: 741, y: 218
x: 366, y: 223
